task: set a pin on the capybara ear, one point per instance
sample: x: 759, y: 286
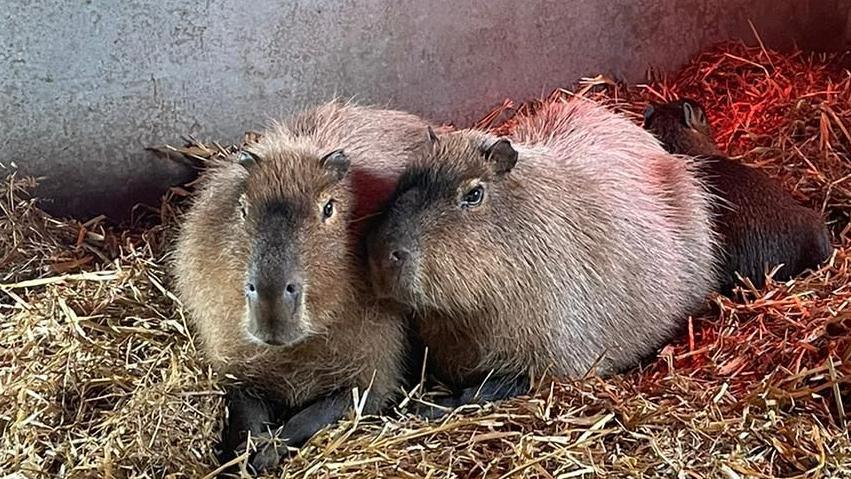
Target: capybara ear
x: 693, y: 114
x: 649, y: 110
x: 247, y: 159
x: 502, y: 156
x: 336, y: 164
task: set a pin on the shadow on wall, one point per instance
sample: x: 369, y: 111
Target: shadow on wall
x: 91, y: 84
x: 144, y: 182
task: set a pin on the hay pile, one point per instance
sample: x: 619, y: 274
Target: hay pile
x: 98, y: 375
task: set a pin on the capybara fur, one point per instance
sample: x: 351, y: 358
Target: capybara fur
x: 268, y: 268
x: 759, y: 223
x: 576, y: 241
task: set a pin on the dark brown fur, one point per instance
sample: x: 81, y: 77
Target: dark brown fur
x: 342, y: 339
x: 595, y: 245
x: 761, y: 226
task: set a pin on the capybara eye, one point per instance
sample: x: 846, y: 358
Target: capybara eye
x: 473, y: 197
x: 328, y: 210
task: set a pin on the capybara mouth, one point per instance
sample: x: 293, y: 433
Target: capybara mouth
x: 279, y: 332
x: 393, y: 272
x: 283, y: 337
x: 389, y: 283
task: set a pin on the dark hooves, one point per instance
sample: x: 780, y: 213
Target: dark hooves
x: 268, y: 456
x: 496, y: 389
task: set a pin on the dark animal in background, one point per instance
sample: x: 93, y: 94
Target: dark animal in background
x: 268, y: 267
x: 760, y: 224
x: 576, y: 239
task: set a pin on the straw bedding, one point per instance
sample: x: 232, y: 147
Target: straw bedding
x: 99, y: 376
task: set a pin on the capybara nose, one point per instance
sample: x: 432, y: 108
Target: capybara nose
x: 272, y: 300
x: 274, y: 308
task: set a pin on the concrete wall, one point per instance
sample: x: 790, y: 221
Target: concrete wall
x: 85, y: 86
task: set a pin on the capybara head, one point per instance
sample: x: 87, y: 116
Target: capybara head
x: 440, y: 242
x: 293, y: 213
x: 681, y: 126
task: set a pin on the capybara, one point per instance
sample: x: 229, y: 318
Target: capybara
x: 575, y: 242
x: 759, y: 223
x: 268, y: 267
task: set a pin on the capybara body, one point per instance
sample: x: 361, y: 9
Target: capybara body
x: 268, y: 268
x: 576, y: 241
x: 759, y: 224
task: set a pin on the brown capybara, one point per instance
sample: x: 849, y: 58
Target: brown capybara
x: 268, y: 268
x: 759, y: 224
x: 576, y: 241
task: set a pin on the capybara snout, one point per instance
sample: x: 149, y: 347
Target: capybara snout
x: 275, y: 286
x: 275, y: 306
x: 393, y: 258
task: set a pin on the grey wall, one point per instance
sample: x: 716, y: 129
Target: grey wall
x: 85, y: 86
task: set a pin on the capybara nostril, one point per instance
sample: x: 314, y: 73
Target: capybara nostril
x: 399, y: 257
x: 292, y: 290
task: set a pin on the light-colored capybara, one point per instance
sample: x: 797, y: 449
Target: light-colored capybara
x: 760, y: 224
x: 576, y: 241
x: 268, y: 267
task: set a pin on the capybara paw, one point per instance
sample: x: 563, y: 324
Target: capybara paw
x: 267, y: 457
